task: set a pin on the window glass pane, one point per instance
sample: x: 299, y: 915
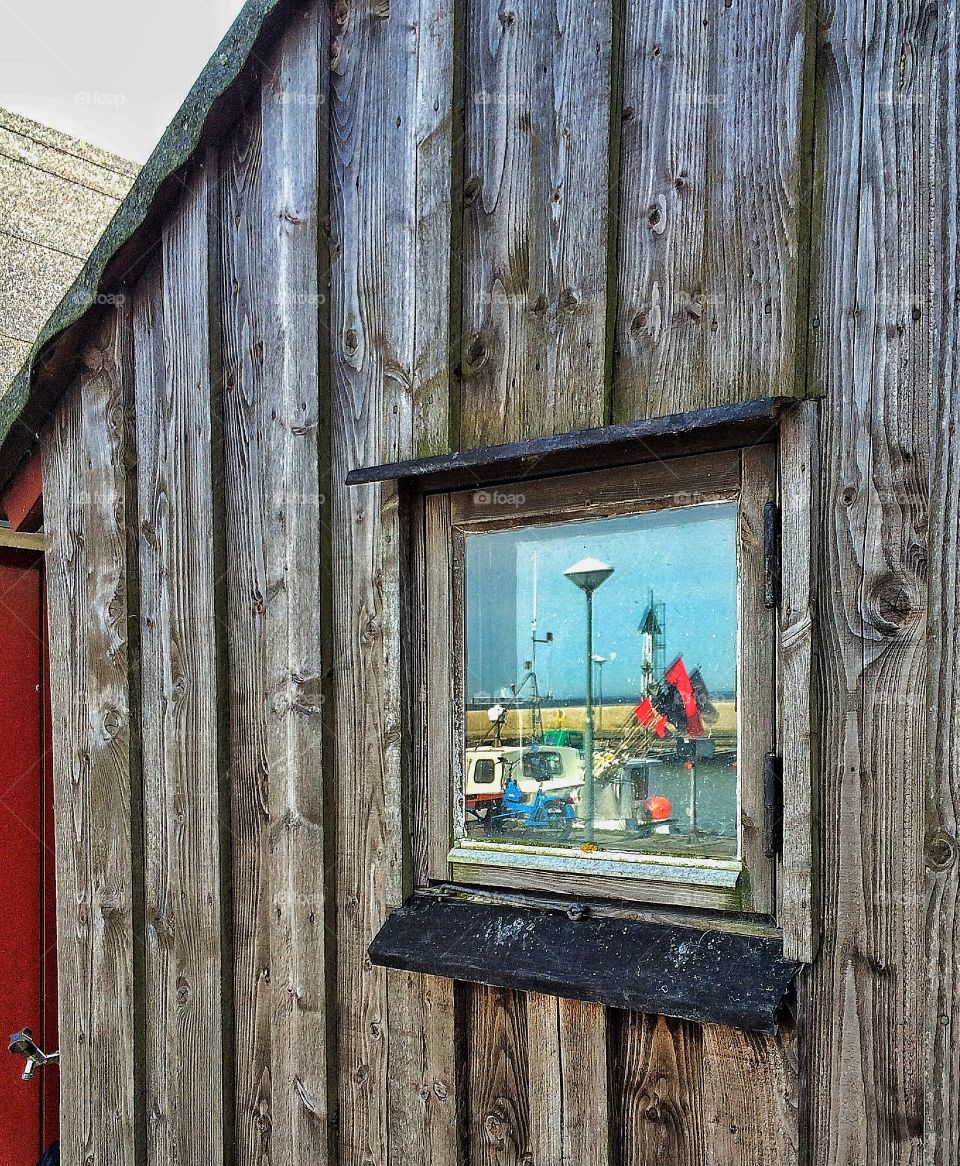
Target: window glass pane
x: 650, y: 600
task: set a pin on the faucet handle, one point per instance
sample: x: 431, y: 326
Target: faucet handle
x: 22, y: 1044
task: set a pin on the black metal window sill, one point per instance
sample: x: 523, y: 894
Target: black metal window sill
x: 719, y: 977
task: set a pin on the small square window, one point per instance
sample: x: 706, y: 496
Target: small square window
x: 607, y: 659
x: 597, y: 692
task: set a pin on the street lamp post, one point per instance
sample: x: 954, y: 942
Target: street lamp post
x: 588, y: 574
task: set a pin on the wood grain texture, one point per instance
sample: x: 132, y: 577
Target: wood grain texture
x: 84, y: 484
x: 437, y: 779
x: 567, y: 1112
x: 755, y: 669
x: 269, y: 208
x: 390, y: 160
x: 708, y: 214
x: 294, y: 202
x: 797, y: 909
x: 862, y: 1004
x: 185, y: 1070
x: 750, y: 1087
x: 656, y: 1087
x: 496, y: 1060
x: 942, y: 1041
x: 537, y: 94
x: 241, y: 301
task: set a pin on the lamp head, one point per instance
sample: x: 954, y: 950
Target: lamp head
x: 588, y: 574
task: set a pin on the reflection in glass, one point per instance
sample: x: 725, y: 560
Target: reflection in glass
x: 601, y: 705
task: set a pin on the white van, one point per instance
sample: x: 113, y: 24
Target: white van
x: 489, y: 767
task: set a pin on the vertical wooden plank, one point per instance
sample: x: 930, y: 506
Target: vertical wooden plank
x: 242, y: 272
x: 390, y: 150
x: 863, y: 1000
x: 185, y: 1070
x: 424, y: 1103
x: 535, y: 218
x: 435, y: 781
x: 656, y: 1088
x: 84, y: 485
x: 799, y: 480
x: 755, y: 652
x: 749, y: 1097
x: 942, y: 1040
x: 294, y: 198
x: 498, y: 1102
x: 568, y: 1123
x: 270, y: 324
x: 710, y: 184
x: 433, y: 145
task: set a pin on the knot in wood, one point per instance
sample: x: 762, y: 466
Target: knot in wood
x: 940, y: 850
x: 495, y: 1124
x: 371, y: 631
x: 476, y: 353
x: 890, y: 606
x: 693, y: 304
x: 440, y: 1090
x: 112, y: 722
x: 92, y: 358
x: 184, y: 992
x: 577, y: 911
x: 569, y: 300
x: 628, y: 114
x: 361, y: 1074
x: 262, y: 1120
x: 471, y: 190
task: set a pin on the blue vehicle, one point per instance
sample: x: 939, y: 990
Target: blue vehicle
x: 545, y: 817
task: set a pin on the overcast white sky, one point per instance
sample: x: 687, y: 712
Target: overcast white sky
x: 111, y: 71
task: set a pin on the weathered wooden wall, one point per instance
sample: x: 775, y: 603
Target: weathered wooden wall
x: 439, y: 226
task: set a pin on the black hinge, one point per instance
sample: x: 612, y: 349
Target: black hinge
x: 772, y: 804
x: 771, y: 555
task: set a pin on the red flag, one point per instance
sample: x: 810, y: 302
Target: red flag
x: 676, y: 675
x: 646, y: 714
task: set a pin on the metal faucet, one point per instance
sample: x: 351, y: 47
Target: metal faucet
x: 22, y: 1044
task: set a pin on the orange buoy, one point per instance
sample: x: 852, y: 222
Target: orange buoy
x: 658, y: 807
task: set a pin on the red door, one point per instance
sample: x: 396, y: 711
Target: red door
x: 28, y: 1110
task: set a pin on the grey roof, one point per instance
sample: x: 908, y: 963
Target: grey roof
x: 21, y: 410
x: 56, y: 196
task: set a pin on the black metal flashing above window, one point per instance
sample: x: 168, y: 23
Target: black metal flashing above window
x: 583, y: 449
x: 719, y: 977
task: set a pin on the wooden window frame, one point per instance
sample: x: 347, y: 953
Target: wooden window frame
x: 743, y: 885
x: 433, y: 728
